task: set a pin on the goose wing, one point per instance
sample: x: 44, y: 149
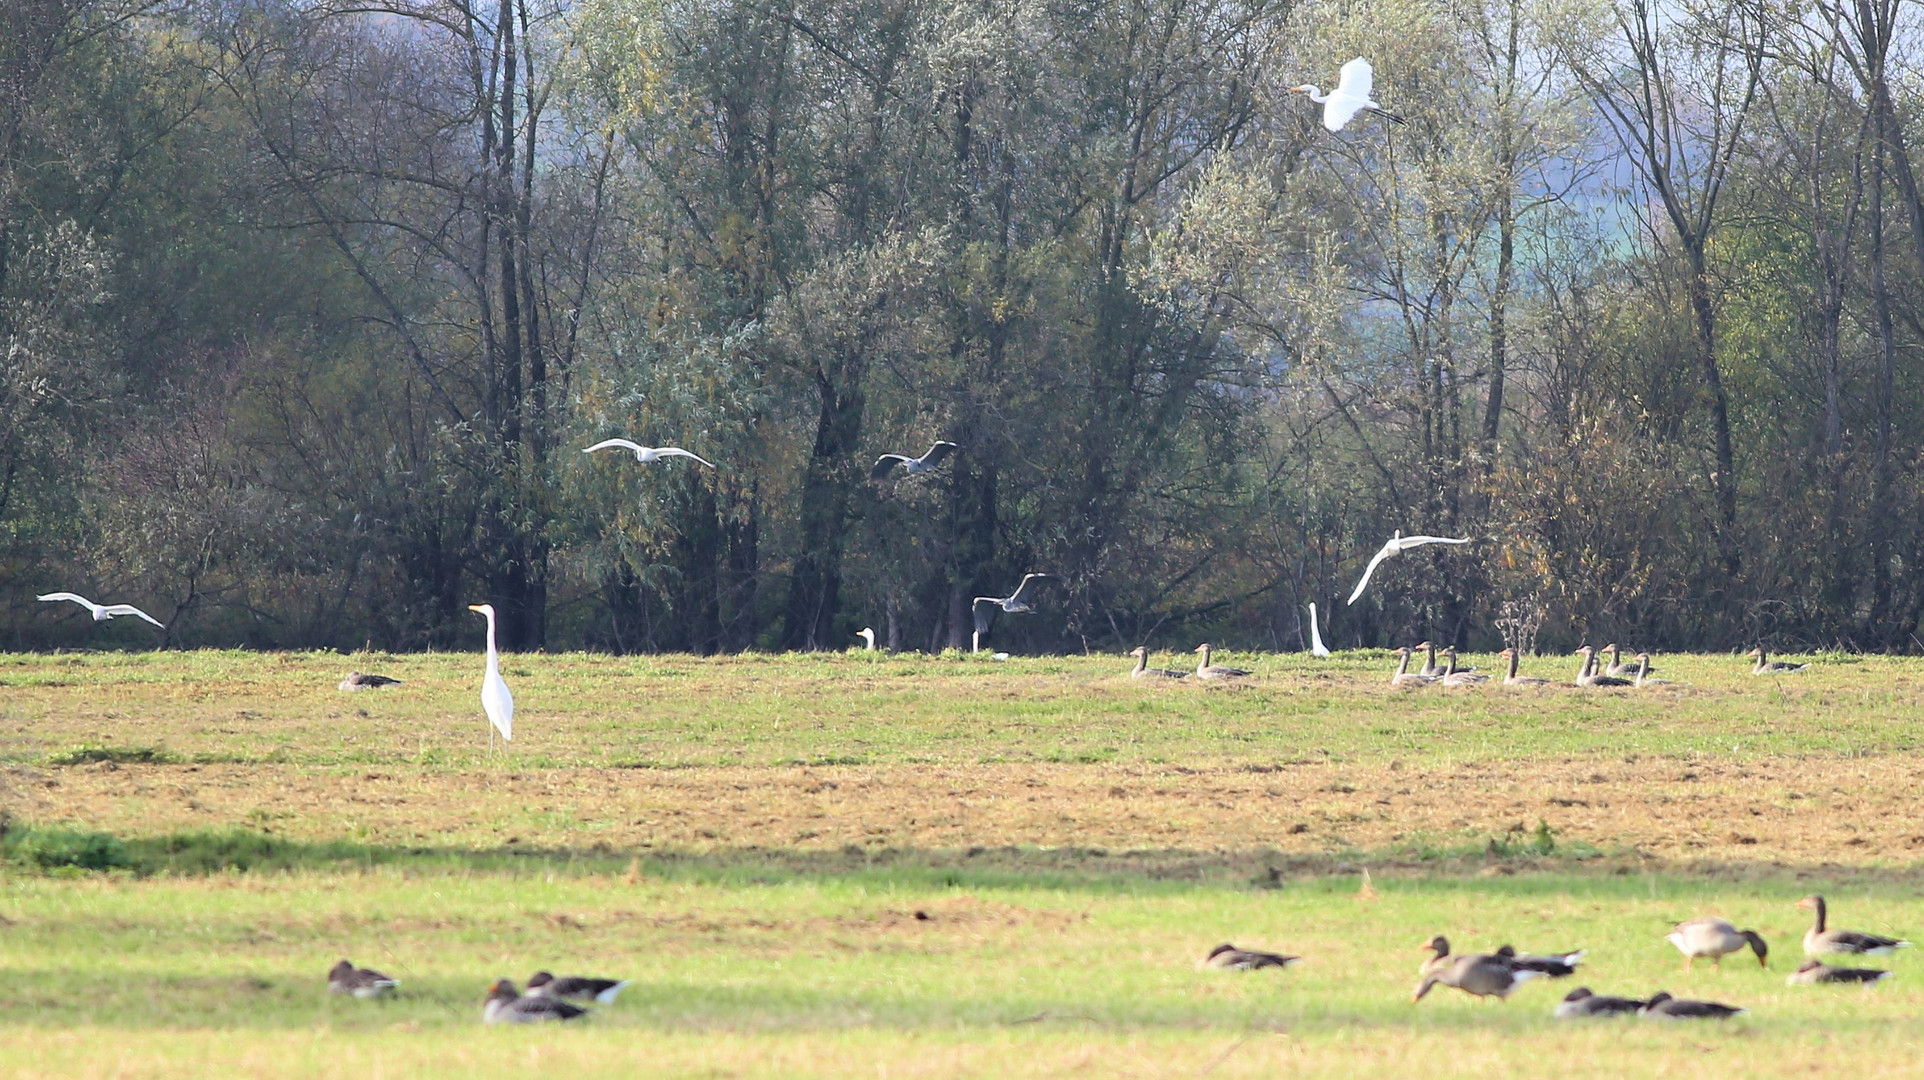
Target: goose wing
x: 606, y: 444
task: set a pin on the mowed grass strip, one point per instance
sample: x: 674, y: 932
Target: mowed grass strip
x: 582, y: 710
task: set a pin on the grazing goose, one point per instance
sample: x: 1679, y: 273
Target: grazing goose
x: 1227, y: 957
x: 1316, y: 648
x: 1207, y: 670
x: 1553, y: 965
x: 1404, y: 676
x: 363, y: 983
x: 101, y: 612
x: 1818, y: 941
x: 1818, y: 973
x: 647, y: 454
x: 1455, y: 676
x: 505, y: 1006
x: 911, y: 465
x: 1396, y: 545
x: 1587, y: 674
x: 1513, y: 679
x: 357, y: 680
x: 1016, y: 603
x: 1665, y: 1007
x: 1477, y: 974
x: 578, y: 987
x: 1581, y: 1002
x: 1766, y: 666
x: 1616, y: 666
x: 1144, y: 671
x: 1715, y: 938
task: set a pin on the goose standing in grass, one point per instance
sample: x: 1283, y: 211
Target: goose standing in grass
x: 1587, y: 674
x: 1403, y: 676
x: 495, y: 699
x: 1455, y: 676
x: 1016, y: 603
x: 1207, y: 670
x: 646, y: 454
x: 1818, y: 973
x: 1664, y: 1007
x: 1316, y: 636
x: 1716, y: 939
x: 1227, y: 957
x: 1819, y: 941
x: 1581, y: 1002
x: 1476, y: 974
x: 1439, y: 950
x: 575, y: 987
x: 1144, y: 671
x: 1766, y: 666
x: 867, y: 634
x: 1396, y: 545
x: 1354, y: 83
x: 912, y: 466
x: 504, y: 1005
x: 363, y: 983
x: 101, y: 612
x: 1512, y: 678
x: 358, y: 680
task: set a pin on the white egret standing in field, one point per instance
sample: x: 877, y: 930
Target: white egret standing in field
x: 867, y: 634
x: 647, y: 454
x: 101, y: 612
x: 1351, y: 96
x: 1315, y: 636
x: 495, y: 699
x: 1397, y: 543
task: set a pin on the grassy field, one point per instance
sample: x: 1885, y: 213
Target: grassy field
x: 841, y: 865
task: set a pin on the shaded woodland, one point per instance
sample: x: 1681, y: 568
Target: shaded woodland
x: 307, y: 308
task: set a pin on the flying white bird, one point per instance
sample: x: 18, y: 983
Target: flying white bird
x: 101, y: 612
x: 646, y: 454
x: 912, y: 465
x: 1315, y: 636
x: 1397, y: 543
x: 1351, y: 96
x: 1015, y: 603
x: 495, y: 699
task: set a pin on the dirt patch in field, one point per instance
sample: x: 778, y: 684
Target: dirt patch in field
x: 1788, y: 810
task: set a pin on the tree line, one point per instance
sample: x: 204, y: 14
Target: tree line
x: 308, y: 307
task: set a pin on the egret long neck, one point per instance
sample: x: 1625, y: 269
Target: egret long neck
x: 494, y: 657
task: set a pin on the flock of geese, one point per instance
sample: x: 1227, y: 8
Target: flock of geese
x: 1498, y: 974
x: 1600, y: 668
x: 548, y: 998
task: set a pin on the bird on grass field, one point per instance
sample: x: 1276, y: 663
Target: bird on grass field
x: 1216, y: 672
x: 1227, y: 957
x: 867, y: 634
x: 1662, y: 1006
x: 1476, y: 974
x: 495, y: 699
x: 506, y: 1005
x: 1144, y: 671
x: 1316, y: 648
x: 1716, y: 939
x: 101, y: 612
x: 646, y: 454
x: 1818, y: 973
x: 1581, y: 1002
x: 363, y: 983
x: 1354, y: 84
x: 359, y: 680
x: 576, y: 987
x: 1766, y: 666
x: 1822, y: 941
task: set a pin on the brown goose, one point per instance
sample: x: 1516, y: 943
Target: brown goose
x: 1616, y: 666
x: 1144, y: 671
x: 1766, y: 666
x: 1430, y: 669
x: 1227, y: 957
x: 1455, y: 676
x: 1477, y: 974
x: 1819, y: 941
x: 578, y: 987
x: 1581, y: 1002
x: 1644, y: 669
x: 1404, y: 676
x: 361, y: 681
x: 1587, y: 674
x: 1207, y: 670
x: 1715, y: 938
x: 363, y: 983
x: 1662, y: 1006
x: 1513, y: 679
x: 504, y: 1005
x: 1818, y: 973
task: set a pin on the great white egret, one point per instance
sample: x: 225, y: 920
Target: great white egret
x: 647, y: 454
x: 101, y: 612
x: 506, y: 1005
x: 913, y: 466
x: 1351, y: 96
x: 1396, y: 544
x: 867, y: 634
x: 1015, y: 603
x: 495, y: 699
x: 577, y: 987
x: 357, y: 680
x: 363, y: 983
x: 1315, y: 636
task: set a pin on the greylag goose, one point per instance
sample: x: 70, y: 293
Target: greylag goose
x: 1581, y: 1002
x: 358, y: 680
x: 1227, y: 957
x: 1513, y: 679
x: 1644, y: 669
x: 1663, y: 1006
x: 1477, y: 974
x: 1020, y: 601
x: 1455, y: 676
x: 363, y: 983
x: 1396, y: 544
x: 1430, y: 669
x: 1587, y: 674
x: 1316, y: 648
x: 1819, y: 941
x: 576, y: 987
x: 1818, y: 973
x: 1207, y: 670
x: 1617, y: 666
x: 1715, y: 938
x: 505, y: 1006
x: 1144, y: 671
x: 912, y: 465
x: 101, y: 612
x: 646, y: 454
x: 1766, y: 666
x: 1553, y: 965
x: 1404, y: 676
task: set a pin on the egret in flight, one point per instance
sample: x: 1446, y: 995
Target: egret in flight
x: 646, y: 454
x: 1397, y: 543
x: 101, y: 612
x: 914, y: 466
x: 495, y: 699
x: 1351, y: 96
x: 1017, y: 602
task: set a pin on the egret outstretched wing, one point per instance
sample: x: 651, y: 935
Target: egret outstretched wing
x: 940, y: 450
x: 624, y: 444
x: 886, y: 464
x: 1017, y: 596
x: 676, y: 451
x: 128, y: 609
x: 75, y: 597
